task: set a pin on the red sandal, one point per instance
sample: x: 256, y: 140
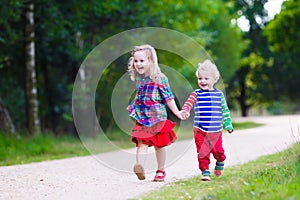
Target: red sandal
x: 160, y: 178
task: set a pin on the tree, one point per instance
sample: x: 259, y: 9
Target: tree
x: 244, y: 86
x: 31, y: 87
x: 64, y: 33
x: 11, y: 58
x: 209, y: 23
x: 6, y: 123
x: 283, y: 35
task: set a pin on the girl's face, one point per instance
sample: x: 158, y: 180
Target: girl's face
x: 141, y: 63
x: 205, y: 80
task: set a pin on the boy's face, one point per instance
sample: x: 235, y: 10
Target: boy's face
x: 141, y: 63
x: 206, y: 80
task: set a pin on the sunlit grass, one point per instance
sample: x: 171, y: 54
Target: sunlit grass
x: 270, y: 177
x: 189, y: 134
x: 246, y: 125
x: 21, y: 149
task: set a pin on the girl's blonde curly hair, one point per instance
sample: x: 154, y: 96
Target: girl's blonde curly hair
x: 154, y: 72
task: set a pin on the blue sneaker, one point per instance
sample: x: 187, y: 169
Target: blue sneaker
x: 205, y: 175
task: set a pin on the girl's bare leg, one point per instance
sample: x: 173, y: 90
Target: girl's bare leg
x: 141, y: 153
x: 161, y: 158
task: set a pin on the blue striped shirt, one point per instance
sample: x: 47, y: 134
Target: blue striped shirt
x: 211, y: 110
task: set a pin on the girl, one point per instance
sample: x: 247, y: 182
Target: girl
x: 152, y: 127
x: 210, y: 111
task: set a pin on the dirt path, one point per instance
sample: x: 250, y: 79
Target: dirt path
x: 87, y: 178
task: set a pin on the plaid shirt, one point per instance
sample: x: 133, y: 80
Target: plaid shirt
x: 149, y: 104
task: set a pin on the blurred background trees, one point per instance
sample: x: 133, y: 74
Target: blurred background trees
x: 260, y: 66
x: 283, y: 36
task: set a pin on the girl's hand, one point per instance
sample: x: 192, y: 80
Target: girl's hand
x: 230, y: 131
x: 171, y: 104
x: 184, y: 114
x: 178, y: 115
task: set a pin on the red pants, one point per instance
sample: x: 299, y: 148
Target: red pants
x: 207, y: 143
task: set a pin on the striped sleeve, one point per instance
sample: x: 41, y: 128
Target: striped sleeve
x: 188, y: 105
x: 226, y: 114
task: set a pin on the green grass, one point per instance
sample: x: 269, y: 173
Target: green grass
x: 113, y: 142
x: 26, y: 149
x: 269, y: 177
x: 188, y: 133
x: 21, y: 150
x: 245, y: 125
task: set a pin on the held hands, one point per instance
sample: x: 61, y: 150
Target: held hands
x: 183, y: 115
x: 230, y: 131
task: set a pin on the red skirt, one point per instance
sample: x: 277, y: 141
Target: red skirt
x: 158, y: 135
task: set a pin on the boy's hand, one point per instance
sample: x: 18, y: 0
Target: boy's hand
x: 184, y: 114
x: 230, y: 131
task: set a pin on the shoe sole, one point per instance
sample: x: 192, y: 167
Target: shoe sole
x: 158, y: 180
x: 205, y: 179
x: 139, y: 171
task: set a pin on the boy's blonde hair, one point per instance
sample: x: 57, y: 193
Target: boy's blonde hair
x: 208, y: 67
x: 154, y: 71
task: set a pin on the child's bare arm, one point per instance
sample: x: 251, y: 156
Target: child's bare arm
x: 185, y: 114
x: 172, y: 105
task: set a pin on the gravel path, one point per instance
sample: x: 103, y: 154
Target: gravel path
x: 87, y: 178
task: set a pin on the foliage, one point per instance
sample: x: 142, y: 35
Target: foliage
x: 67, y: 31
x: 270, y: 177
x: 210, y: 25
x: 283, y: 35
x: 253, y: 84
x: 12, y: 77
x: 269, y: 70
x: 254, y: 67
x: 287, y: 20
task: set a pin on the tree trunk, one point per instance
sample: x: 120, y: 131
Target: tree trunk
x: 6, y: 124
x: 242, y: 99
x: 50, y: 118
x: 31, y: 87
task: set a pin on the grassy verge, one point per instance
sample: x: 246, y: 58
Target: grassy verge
x: 21, y: 150
x: 26, y: 149
x: 270, y: 177
x: 189, y: 134
x: 245, y: 125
